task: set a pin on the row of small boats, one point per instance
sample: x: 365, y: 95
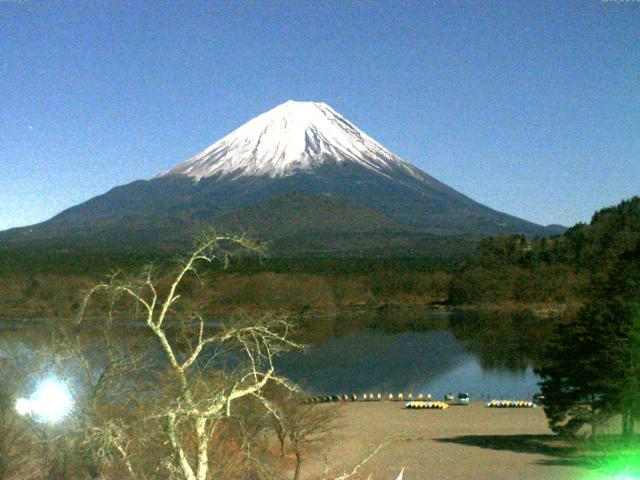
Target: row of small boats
x: 421, y: 401
x: 510, y: 404
x: 427, y: 405
x: 370, y: 397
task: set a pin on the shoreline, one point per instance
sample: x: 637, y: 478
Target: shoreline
x: 544, y: 310
x: 462, y: 442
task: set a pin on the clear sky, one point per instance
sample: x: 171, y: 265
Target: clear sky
x: 531, y: 107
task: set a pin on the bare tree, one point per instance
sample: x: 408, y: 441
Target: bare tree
x: 354, y: 471
x: 308, y: 425
x: 108, y: 378
x: 193, y: 405
x: 303, y: 426
x: 14, y: 437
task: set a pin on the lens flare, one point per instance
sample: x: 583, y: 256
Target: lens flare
x: 51, y: 402
x: 623, y: 464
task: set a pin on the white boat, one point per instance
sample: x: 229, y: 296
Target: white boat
x: 461, y: 399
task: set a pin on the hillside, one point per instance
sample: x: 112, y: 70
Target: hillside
x: 301, y: 176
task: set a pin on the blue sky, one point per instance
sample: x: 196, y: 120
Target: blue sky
x: 532, y: 108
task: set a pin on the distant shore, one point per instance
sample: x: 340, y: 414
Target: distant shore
x: 544, y: 310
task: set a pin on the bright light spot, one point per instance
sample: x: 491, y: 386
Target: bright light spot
x: 23, y: 406
x: 50, y: 403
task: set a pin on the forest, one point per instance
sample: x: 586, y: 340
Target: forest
x: 501, y: 272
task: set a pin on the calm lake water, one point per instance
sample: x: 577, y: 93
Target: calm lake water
x: 487, y: 355
x: 408, y: 351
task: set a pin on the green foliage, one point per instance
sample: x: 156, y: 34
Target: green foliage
x: 555, y: 269
x: 502, y: 269
x: 591, y: 368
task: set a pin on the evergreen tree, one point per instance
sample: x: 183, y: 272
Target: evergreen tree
x: 592, y: 365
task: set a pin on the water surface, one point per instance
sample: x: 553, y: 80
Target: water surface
x: 410, y: 351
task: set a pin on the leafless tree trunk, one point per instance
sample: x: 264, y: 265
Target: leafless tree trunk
x: 196, y: 409
x: 296, y: 474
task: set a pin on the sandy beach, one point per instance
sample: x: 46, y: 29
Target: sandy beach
x: 460, y: 443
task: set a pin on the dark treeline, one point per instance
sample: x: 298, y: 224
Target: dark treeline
x: 591, y: 367
x: 558, y: 269
x: 87, y: 261
x: 248, y: 284
x: 502, y: 270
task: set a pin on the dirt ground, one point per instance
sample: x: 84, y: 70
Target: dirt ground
x: 462, y: 442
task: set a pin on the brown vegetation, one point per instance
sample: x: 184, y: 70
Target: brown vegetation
x: 61, y: 295
x: 180, y: 399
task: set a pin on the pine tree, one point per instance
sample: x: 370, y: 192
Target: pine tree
x: 592, y: 365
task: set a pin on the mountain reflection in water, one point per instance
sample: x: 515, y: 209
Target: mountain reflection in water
x: 393, y: 351
x: 410, y: 351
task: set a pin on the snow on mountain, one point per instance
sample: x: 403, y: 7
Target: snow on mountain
x: 299, y: 174
x: 292, y: 137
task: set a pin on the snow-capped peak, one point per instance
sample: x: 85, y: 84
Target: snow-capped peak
x: 292, y: 137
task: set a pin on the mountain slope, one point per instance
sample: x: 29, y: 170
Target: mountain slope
x: 291, y: 138
x: 299, y: 171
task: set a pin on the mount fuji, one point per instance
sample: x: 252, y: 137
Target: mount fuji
x: 300, y: 175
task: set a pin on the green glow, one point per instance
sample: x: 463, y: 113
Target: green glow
x: 620, y: 464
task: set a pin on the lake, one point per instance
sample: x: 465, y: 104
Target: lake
x: 399, y: 351
x: 419, y: 351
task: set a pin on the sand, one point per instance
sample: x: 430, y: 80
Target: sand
x: 462, y: 442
